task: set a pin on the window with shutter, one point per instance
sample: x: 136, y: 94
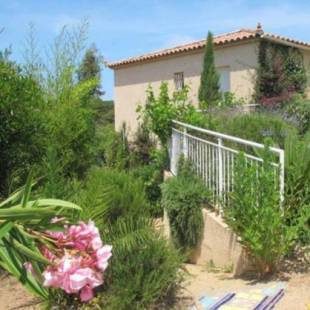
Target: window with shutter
x: 179, y: 80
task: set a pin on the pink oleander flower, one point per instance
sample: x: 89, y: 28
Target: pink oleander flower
x: 57, y: 219
x: 47, y: 253
x: 81, y: 237
x: 81, y: 259
x: 28, y: 267
x: 103, y: 254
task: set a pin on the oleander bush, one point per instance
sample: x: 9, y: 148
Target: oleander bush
x: 145, y: 269
x: 29, y: 228
x: 257, y: 217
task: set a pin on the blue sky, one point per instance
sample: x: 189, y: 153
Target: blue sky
x: 126, y: 28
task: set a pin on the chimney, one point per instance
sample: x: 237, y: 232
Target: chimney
x: 259, y: 29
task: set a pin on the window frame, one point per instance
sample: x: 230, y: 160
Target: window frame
x: 178, y: 78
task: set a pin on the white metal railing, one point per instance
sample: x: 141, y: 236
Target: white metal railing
x: 214, y: 161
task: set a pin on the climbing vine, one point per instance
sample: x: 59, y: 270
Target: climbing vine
x: 281, y: 73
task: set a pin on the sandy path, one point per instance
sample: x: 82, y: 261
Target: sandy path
x: 13, y: 295
x: 297, y: 292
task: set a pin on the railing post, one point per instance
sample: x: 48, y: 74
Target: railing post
x: 185, y: 143
x: 171, y: 150
x: 282, y: 176
x: 220, y: 165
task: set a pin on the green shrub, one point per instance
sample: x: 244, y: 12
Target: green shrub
x: 281, y: 73
x: 145, y: 278
x: 229, y: 100
x: 297, y: 166
x: 70, y: 128
x: 115, y: 148
x: 297, y: 182
x: 44, y: 106
x: 151, y: 177
x: 116, y: 192
x: 158, y: 113
x: 144, y: 270
x: 183, y: 198
x: 254, y: 214
x: 257, y: 127
x: 142, y: 146
x: 21, y: 130
x: 191, y: 116
x: 298, y: 109
x: 104, y: 112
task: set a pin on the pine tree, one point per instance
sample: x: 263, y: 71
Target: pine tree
x: 90, y: 68
x: 209, y: 90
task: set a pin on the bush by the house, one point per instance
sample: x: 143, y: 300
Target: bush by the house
x: 281, y: 73
x: 183, y: 197
x: 158, y: 113
x: 297, y: 110
x: 256, y: 215
x: 256, y: 127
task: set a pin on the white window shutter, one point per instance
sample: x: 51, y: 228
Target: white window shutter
x: 224, y: 79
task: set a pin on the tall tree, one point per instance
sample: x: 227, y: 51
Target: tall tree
x: 90, y: 68
x: 209, y: 90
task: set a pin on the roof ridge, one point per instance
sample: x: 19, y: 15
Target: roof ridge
x: 220, y: 39
x: 197, y: 41
x: 235, y: 31
x: 185, y: 44
x: 282, y: 37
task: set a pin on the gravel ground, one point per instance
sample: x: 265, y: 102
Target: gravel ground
x: 14, y: 296
x: 297, y: 291
x: 200, y: 281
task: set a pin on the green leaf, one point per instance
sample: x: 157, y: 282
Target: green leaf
x: 19, y: 213
x: 13, y: 198
x: 11, y: 261
x: 51, y: 202
x: 27, y: 190
x: 5, y: 228
x: 29, y: 253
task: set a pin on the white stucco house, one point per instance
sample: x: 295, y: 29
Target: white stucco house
x: 236, y: 59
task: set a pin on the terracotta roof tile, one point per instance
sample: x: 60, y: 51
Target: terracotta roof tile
x: 231, y: 37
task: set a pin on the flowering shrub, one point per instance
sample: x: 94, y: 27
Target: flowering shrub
x: 78, y: 260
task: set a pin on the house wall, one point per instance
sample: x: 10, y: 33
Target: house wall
x: 132, y: 81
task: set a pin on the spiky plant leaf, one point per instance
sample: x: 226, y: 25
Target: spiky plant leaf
x: 22, y: 222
